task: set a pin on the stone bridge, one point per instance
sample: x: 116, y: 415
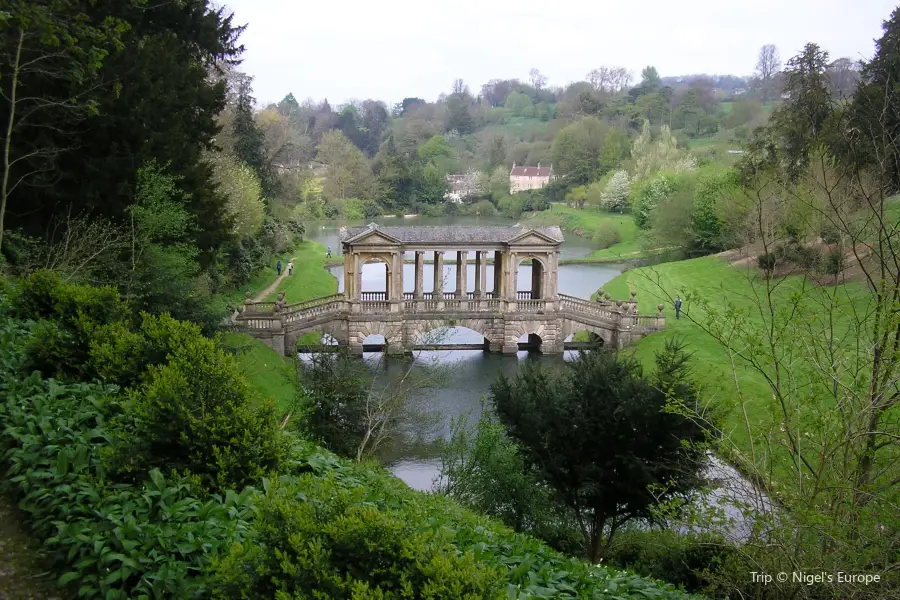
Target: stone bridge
x: 406, y: 320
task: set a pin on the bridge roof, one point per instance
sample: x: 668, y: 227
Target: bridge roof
x: 452, y: 234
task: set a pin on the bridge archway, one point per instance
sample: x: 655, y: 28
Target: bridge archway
x: 531, y: 278
x: 464, y: 331
x: 580, y: 332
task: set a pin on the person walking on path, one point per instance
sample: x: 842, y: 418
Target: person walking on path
x: 677, y: 307
x: 278, y: 268
x: 328, y: 255
x: 290, y: 267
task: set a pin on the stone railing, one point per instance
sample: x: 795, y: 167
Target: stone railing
x: 579, y: 305
x: 644, y: 322
x: 335, y: 306
x: 369, y: 296
x: 530, y: 305
x: 526, y: 295
x: 379, y: 306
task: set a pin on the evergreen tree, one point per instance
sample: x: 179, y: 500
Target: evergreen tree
x: 249, y: 140
x: 398, y: 179
x: 876, y: 104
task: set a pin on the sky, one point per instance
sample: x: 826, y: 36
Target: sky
x: 358, y: 49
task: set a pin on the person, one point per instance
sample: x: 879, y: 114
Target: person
x: 278, y: 268
x: 677, y: 307
x: 329, y: 252
x: 290, y: 267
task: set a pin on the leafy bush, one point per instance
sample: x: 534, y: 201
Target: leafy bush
x: 685, y: 560
x: 195, y: 414
x: 60, y: 346
x: 767, y: 261
x: 113, y: 541
x: 482, y: 209
x: 319, y: 534
x: 830, y: 235
x: 276, y: 236
x: 330, y: 211
x: 606, y: 234
x: 834, y: 262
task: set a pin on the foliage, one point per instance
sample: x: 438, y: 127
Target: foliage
x: 649, y: 158
x: 349, y: 175
x: 196, y: 414
x: 648, y: 195
x: 606, y: 235
x: 248, y: 140
x: 617, y: 191
x: 110, y: 540
x: 243, y: 192
x: 576, y: 150
x: 626, y: 441
x: 335, y: 542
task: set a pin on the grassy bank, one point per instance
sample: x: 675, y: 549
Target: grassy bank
x: 719, y: 284
x: 309, y: 279
x: 585, y: 223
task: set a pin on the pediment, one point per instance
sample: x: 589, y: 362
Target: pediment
x: 374, y: 237
x: 532, y: 238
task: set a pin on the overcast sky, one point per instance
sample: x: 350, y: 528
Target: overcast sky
x: 357, y: 49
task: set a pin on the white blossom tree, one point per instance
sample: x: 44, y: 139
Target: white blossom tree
x: 615, y: 195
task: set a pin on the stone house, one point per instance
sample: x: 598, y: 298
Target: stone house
x: 463, y: 186
x: 529, y: 178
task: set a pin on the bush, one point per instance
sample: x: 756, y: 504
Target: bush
x: 606, y: 234
x: 114, y: 541
x: 830, y: 235
x: 331, y: 211
x: 482, y: 209
x: 684, y: 560
x: 834, y: 262
x: 321, y: 535
x: 767, y: 261
x: 195, y: 414
x: 276, y: 236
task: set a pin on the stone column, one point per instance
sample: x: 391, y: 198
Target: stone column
x: 389, y: 282
x: 357, y: 277
x: 498, y: 274
x: 420, y: 272
x: 462, y: 262
x: 438, y: 275
x: 479, y: 274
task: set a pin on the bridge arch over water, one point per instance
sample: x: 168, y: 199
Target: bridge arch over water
x: 502, y: 316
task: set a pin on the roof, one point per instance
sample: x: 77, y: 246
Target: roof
x: 530, y: 172
x: 453, y: 234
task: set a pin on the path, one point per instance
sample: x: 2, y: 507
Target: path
x: 20, y: 560
x: 260, y: 297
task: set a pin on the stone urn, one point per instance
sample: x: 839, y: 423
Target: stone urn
x: 660, y: 307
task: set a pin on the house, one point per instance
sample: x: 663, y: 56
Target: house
x: 463, y: 186
x: 529, y: 178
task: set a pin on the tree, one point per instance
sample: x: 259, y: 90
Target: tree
x: 617, y: 191
x: 650, y: 78
x: 576, y: 150
x: 625, y: 451
x: 439, y: 152
x: 458, y: 116
x: 843, y: 77
x: 52, y: 54
x: 537, y: 80
x: 649, y: 157
x: 875, y: 110
x: 348, y: 174
x: 767, y: 65
x: 460, y: 88
x: 241, y: 187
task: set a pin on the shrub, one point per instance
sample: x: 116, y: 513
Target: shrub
x: 60, y: 346
x: 830, y: 235
x: 331, y: 211
x: 114, y: 541
x: 807, y: 257
x: 321, y: 535
x: 276, y: 236
x: 606, y: 234
x: 684, y: 560
x: 767, y: 261
x: 196, y: 414
x: 482, y: 209
x: 834, y: 262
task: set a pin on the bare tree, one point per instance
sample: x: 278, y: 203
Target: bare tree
x: 460, y: 88
x: 537, y: 80
x: 768, y: 63
x: 843, y: 77
x: 610, y: 79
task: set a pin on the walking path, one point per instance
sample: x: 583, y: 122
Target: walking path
x: 20, y: 560
x: 260, y: 297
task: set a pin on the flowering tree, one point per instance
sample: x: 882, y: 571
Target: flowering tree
x: 615, y: 195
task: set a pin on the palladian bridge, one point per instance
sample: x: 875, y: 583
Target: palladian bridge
x: 502, y: 315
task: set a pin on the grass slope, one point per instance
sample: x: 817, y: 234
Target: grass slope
x: 269, y: 373
x: 309, y: 279
x: 715, y: 280
x: 585, y: 222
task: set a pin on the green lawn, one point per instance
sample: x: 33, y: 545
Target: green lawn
x: 269, y: 374
x: 585, y: 222
x: 715, y: 280
x: 309, y: 279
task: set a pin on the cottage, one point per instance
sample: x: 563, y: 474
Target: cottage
x: 529, y: 178
x: 464, y: 186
